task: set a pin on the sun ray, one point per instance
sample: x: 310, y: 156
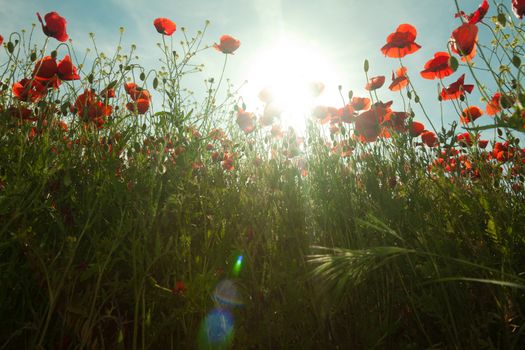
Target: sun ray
x: 295, y: 76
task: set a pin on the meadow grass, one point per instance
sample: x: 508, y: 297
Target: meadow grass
x: 119, y: 231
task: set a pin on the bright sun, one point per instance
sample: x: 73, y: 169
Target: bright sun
x: 294, y: 73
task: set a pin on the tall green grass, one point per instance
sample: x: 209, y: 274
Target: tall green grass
x: 117, y: 237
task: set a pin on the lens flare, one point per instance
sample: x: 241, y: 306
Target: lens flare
x: 237, y: 266
x: 226, y: 294
x: 216, y: 331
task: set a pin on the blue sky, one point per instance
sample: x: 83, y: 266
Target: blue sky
x: 344, y: 32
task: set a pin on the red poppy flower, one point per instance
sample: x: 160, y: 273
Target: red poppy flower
x: 375, y: 83
x: 429, y: 138
x: 32, y: 133
x: 383, y: 105
x: 228, y: 44
x: 139, y: 106
x: 61, y: 125
x: 438, y: 67
x: 217, y: 134
x: 179, y: 288
x: 456, y: 89
x: 477, y: 15
x: 45, y: 69
x: 360, y: 103
x: 416, y: 128
x: 129, y: 87
x: 108, y: 93
x: 141, y: 98
x: 266, y: 95
x: 483, y: 143
x: 1, y: 40
x: 90, y: 108
x: 346, y: 114
x: 464, y: 40
x: 86, y: 98
x: 45, y: 72
x: 481, y: 11
x: 518, y: 6
x: 493, y: 106
x: 29, y: 90
x: 464, y: 139
x: 141, y: 93
x: 324, y: 114
x: 227, y: 162
x: 470, y: 114
x: 395, y: 121
x: 164, y: 26
x: 215, y: 156
x: 276, y: 132
x: 368, y: 124
x: 22, y: 113
x: 400, y: 80
x: 197, y: 165
x: 55, y: 26
x: 502, y: 152
x: 66, y: 70
x: 136, y: 93
x: 401, y: 42
x: 271, y: 111
x: 246, y: 121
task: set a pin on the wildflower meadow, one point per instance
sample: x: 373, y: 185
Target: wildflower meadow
x: 136, y: 214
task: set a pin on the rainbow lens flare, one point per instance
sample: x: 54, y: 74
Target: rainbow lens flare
x: 237, y: 266
x: 226, y: 294
x: 216, y: 330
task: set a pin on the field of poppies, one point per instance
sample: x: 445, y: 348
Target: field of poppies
x: 134, y: 216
